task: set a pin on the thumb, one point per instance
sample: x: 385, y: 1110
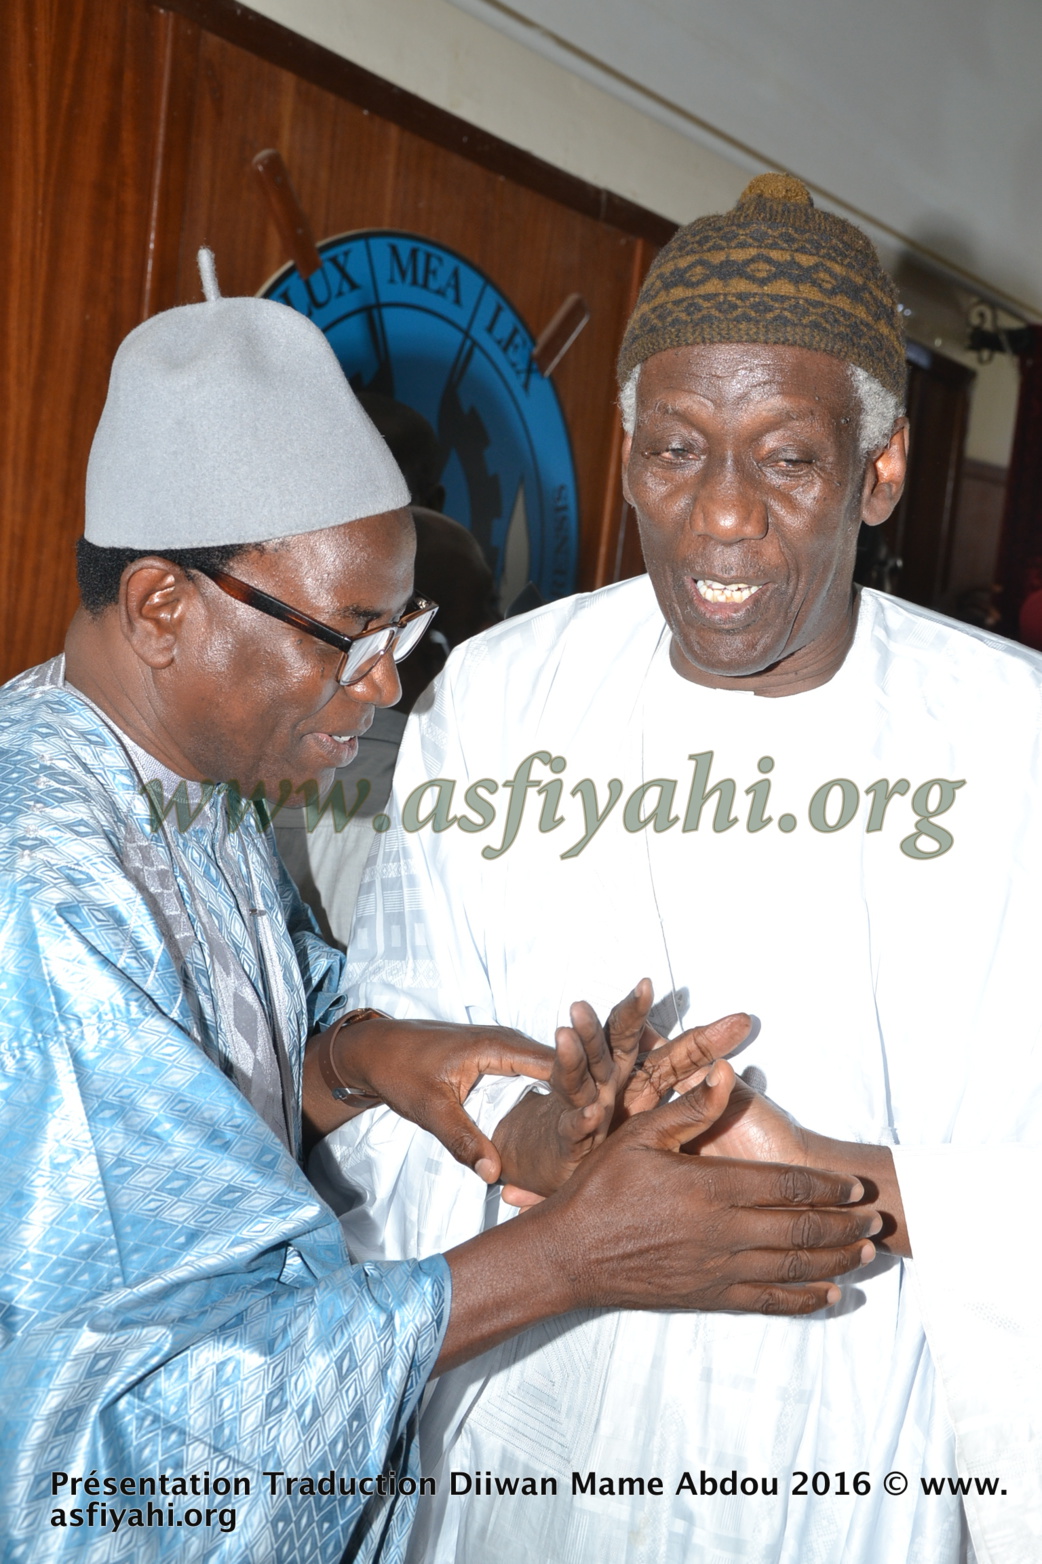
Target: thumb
x: 523, y: 1199
x: 506, y: 1052
x: 445, y: 1117
x: 683, y: 1061
x: 673, y: 1124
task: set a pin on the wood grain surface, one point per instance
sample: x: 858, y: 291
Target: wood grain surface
x: 131, y: 132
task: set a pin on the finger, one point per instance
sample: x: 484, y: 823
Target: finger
x: 579, y: 1130
x: 583, y: 1110
x: 805, y: 1265
x: 625, y: 1026
x: 523, y: 1199
x: 503, y: 1051
x: 595, y: 1044
x: 781, y: 1184
x: 572, y: 1079
x: 752, y: 1298
x: 742, y: 1096
x: 678, y: 1065
x: 444, y: 1116
x: 812, y: 1228
x: 672, y: 1124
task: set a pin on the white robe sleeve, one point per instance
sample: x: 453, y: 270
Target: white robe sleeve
x: 976, y: 1281
x: 970, y: 1208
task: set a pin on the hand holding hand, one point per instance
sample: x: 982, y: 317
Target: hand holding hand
x: 597, y: 1084
x: 424, y: 1071
x: 639, y: 1227
x: 545, y: 1136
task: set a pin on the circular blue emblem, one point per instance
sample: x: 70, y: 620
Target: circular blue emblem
x: 415, y: 321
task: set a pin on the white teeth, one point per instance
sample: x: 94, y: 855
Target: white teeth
x: 341, y: 738
x: 718, y: 592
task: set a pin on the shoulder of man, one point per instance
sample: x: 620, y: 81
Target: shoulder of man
x: 520, y: 678
x: 973, y: 668
x: 585, y: 628
x: 67, y: 790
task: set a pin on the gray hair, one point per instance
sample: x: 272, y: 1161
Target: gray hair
x: 628, y: 401
x: 879, y: 409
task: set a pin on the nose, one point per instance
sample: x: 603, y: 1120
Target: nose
x: 728, y: 504
x: 380, y: 686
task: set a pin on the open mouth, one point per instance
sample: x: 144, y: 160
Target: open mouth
x: 724, y: 591
x: 339, y: 749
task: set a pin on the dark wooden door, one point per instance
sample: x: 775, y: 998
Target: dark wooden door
x: 910, y: 555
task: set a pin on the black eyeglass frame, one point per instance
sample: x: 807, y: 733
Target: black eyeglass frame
x: 253, y: 597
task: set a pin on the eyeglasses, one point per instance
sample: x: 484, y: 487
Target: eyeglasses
x: 361, y: 652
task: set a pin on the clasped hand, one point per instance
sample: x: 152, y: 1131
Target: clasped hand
x: 598, y: 1077
x: 424, y: 1070
x: 596, y: 1085
x: 603, y: 1076
x: 625, y: 1222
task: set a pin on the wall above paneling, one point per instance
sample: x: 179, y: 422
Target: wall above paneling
x: 920, y: 119
x: 548, y: 79
x: 490, y: 77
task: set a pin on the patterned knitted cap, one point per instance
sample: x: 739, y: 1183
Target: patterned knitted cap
x: 775, y: 269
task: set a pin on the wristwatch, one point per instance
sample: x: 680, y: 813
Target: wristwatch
x: 340, y: 1088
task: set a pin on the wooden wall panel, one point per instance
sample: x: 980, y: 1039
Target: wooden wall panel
x: 129, y: 134
x: 78, y: 88
x: 619, y: 553
x: 352, y: 169
x: 177, y: 45
x: 309, y: 61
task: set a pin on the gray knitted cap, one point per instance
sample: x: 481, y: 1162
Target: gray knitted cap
x: 231, y: 422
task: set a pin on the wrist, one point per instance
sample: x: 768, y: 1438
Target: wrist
x: 341, y: 1057
x: 333, y: 1091
x: 508, y: 1279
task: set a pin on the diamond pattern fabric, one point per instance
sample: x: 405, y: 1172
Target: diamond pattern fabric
x: 174, y: 1297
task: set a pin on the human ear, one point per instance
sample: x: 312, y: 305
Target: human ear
x: 153, y: 597
x: 885, y: 477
